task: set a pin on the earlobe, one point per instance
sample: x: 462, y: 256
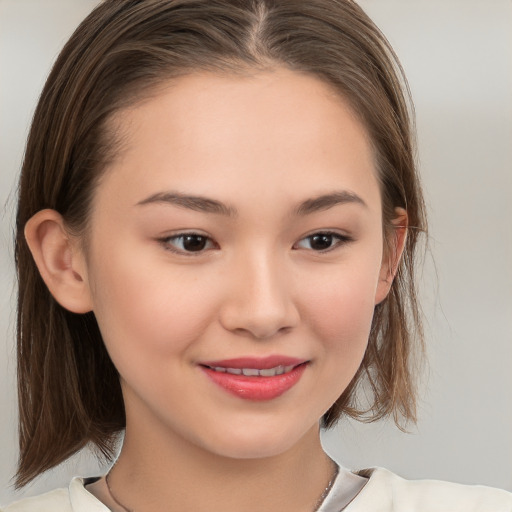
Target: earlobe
x: 392, y: 254
x: 59, y: 261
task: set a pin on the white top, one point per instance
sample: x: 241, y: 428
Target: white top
x: 384, y: 492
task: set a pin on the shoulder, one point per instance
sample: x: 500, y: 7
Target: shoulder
x: 386, y: 491
x: 57, y: 501
x: 74, y: 499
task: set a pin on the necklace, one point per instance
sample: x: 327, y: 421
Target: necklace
x: 116, y: 501
x: 328, y: 488
x: 317, y: 505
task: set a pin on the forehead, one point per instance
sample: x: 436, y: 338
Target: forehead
x: 276, y: 131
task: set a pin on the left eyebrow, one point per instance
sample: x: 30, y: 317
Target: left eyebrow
x: 209, y: 205
x: 326, y: 201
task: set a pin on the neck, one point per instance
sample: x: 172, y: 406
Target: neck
x: 177, y: 475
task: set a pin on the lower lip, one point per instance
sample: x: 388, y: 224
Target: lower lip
x: 256, y: 388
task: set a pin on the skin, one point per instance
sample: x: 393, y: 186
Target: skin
x: 261, y: 144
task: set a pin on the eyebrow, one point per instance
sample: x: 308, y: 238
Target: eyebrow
x: 197, y: 203
x: 326, y: 201
x: 208, y: 205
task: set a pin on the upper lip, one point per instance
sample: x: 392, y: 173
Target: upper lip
x: 259, y: 363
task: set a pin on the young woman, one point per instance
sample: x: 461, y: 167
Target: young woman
x: 218, y: 217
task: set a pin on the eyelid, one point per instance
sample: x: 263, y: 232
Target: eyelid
x: 165, y: 242
x: 343, y: 239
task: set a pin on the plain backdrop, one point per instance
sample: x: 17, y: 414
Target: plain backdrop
x: 457, y: 55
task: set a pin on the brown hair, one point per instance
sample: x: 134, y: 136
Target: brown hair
x: 69, y: 391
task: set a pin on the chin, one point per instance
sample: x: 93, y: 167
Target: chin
x: 258, y: 443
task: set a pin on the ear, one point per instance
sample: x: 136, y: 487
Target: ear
x: 59, y: 260
x: 393, y: 249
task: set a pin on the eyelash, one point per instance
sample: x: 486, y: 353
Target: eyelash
x: 166, y: 242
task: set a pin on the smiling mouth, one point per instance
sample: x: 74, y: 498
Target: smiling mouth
x: 272, y: 377
x: 254, y: 372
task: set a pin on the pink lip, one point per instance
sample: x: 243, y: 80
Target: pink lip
x: 257, y: 388
x: 259, y: 363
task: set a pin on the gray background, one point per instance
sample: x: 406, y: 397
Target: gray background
x: 457, y: 55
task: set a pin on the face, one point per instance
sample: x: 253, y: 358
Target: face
x: 239, y: 231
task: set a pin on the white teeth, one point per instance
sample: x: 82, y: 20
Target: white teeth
x: 250, y: 372
x: 254, y: 372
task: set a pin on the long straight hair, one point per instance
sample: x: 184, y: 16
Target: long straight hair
x: 69, y: 391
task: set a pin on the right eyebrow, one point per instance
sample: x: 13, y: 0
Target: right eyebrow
x: 197, y: 203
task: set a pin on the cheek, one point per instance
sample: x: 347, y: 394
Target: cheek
x: 342, y: 319
x: 146, y: 311
x: 340, y: 308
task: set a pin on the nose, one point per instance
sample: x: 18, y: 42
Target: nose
x: 259, y: 301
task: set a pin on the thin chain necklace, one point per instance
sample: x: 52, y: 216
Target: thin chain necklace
x: 116, y: 501
x: 317, y: 505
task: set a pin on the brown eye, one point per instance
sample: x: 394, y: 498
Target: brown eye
x: 187, y: 243
x: 323, y: 241
x: 194, y: 242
